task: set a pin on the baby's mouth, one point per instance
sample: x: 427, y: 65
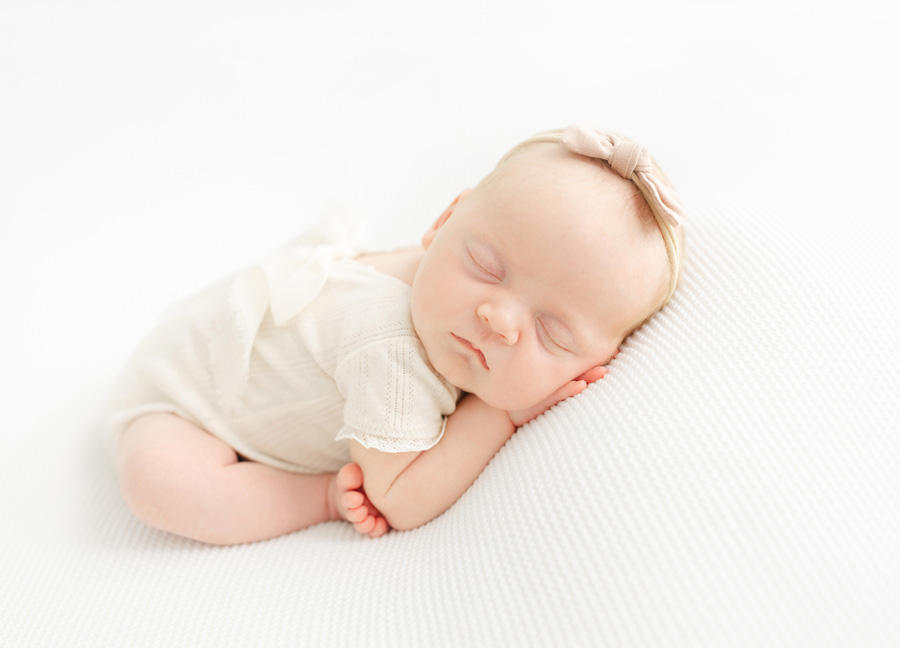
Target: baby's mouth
x: 473, y: 349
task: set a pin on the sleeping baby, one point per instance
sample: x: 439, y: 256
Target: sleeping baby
x: 327, y: 384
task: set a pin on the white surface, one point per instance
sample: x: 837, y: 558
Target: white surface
x: 732, y: 482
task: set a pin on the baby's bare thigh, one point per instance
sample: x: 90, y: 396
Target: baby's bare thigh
x: 168, y: 468
x: 166, y: 444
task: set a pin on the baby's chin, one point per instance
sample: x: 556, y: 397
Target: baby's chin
x: 463, y: 380
x: 507, y: 403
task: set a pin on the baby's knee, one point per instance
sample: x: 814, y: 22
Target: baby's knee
x: 155, y: 462
x: 143, y: 478
x: 171, y: 470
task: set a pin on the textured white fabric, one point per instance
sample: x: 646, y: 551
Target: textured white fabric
x: 733, y: 482
x: 285, y: 360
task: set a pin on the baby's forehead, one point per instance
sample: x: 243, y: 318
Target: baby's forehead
x: 564, y: 184
x: 548, y: 166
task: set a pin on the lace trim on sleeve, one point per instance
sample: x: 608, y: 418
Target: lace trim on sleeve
x: 390, y: 444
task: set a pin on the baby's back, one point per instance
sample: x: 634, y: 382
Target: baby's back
x: 271, y: 393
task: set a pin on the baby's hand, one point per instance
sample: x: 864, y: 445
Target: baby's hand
x: 521, y: 417
x: 352, y: 504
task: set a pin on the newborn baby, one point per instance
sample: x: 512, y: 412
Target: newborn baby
x: 325, y: 384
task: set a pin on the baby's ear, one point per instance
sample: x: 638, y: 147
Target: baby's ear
x: 428, y: 237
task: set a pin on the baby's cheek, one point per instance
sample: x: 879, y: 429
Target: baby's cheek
x: 510, y: 395
x: 526, y: 382
x: 534, y: 391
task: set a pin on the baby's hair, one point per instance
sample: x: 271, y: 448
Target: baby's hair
x: 672, y: 234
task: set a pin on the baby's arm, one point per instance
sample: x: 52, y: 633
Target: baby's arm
x: 412, y: 488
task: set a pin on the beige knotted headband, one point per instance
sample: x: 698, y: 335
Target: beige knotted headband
x: 632, y: 161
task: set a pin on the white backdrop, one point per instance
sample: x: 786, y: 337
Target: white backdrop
x: 148, y: 148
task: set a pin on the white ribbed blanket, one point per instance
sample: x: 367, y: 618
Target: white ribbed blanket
x: 732, y: 482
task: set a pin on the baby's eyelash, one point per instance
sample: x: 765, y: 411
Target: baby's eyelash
x: 550, y: 337
x: 480, y: 266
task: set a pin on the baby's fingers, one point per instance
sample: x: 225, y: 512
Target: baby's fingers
x: 571, y: 388
x: 593, y: 375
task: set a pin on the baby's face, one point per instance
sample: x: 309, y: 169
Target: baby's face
x: 533, y: 278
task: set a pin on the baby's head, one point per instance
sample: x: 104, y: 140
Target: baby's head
x: 540, y: 272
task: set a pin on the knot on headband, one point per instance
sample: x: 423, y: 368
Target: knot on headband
x: 628, y: 157
x: 625, y: 157
x: 631, y: 161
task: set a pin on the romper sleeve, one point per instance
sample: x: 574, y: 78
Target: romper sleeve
x: 395, y: 401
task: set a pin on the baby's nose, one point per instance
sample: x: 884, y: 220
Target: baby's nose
x: 502, y: 318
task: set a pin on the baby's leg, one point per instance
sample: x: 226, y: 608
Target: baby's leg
x: 177, y: 477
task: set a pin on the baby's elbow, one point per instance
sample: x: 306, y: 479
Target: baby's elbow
x: 404, y: 522
x: 401, y: 513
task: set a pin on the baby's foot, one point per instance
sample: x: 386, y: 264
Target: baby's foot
x: 350, y: 501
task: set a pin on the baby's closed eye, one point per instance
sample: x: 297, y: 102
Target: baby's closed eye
x: 485, y: 263
x: 551, y: 334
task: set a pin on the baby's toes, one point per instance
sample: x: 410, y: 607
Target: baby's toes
x: 349, y: 477
x: 353, y: 499
x: 357, y: 514
x: 380, y: 528
x: 365, y: 526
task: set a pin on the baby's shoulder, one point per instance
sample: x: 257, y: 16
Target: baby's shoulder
x: 401, y: 264
x: 358, y: 305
